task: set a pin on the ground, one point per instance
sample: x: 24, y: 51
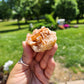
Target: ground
x: 63, y: 75
x: 70, y: 42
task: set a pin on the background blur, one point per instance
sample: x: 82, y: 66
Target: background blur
x: 65, y: 17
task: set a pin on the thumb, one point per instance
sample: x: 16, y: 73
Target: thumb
x: 27, y: 53
x: 26, y: 57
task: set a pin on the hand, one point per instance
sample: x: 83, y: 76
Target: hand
x: 40, y: 69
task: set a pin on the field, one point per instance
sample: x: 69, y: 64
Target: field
x: 70, y: 44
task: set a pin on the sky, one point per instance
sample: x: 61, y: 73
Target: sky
x: 1, y: 0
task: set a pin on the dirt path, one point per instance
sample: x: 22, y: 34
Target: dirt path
x: 62, y: 74
x: 74, y: 82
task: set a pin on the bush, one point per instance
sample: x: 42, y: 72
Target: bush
x: 51, y: 22
x: 37, y: 26
x: 51, y: 26
x: 49, y: 19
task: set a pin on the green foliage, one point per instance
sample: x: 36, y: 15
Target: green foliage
x: 66, y: 9
x: 49, y: 19
x: 81, y: 10
x: 28, y: 7
x: 17, y: 10
x: 46, y: 6
x: 17, y: 14
x: 5, y: 11
x: 37, y: 26
x: 51, y: 26
x: 74, y: 70
x: 51, y: 23
x: 11, y: 3
x: 81, y: 69
x: 81, y: 7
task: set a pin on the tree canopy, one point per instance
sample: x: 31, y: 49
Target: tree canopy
x: 5, y: 11
x: 66, y: 9
x: 81, y: 7
x: 27, y: 9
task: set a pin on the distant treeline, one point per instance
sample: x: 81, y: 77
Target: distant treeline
x: 30, y: 9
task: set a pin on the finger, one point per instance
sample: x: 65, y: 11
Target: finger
x: 27, y: 53
x: 40, y: 75
x: 50, y: 68
x: 29, y: 38
x: 47, y: 55
x: 39, y: 56
x: 51, y: 64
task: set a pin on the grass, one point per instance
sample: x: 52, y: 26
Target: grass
x: 80, y: 21
x: 70, y: 44
x: 10, y: 25
x: 11, y: 46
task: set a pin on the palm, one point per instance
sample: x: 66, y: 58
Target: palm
x: 35, y: 74
x: 31, y: 75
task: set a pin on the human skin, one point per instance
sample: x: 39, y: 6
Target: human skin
x: 40, y: 69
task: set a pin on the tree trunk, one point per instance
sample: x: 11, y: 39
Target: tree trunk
x: 77, y: 18
x: 77, y: 21
x: 25, y: 20
x: 82, y: 15
x: 38, y: 18
x: 18, y: 24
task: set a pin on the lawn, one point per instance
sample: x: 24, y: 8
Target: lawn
x: 10, y: 25
x: 80, y: 21
x: 70, y: 44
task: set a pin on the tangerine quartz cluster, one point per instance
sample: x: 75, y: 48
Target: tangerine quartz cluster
x: 41, y: 39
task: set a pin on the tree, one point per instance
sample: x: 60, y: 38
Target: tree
x: 81, y: 9
x: 46, y: 6
x: 11, y: 3
x: 5, y: 11
x: 43, y: 7
x: 28, y: 6
x: 66, y: 9
x: 18, y: 12
x: 18, y: 15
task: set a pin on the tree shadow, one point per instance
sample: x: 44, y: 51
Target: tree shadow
x: 14, y: 24
x: 12, y: 30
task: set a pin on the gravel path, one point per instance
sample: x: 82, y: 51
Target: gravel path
x: 74, y: 82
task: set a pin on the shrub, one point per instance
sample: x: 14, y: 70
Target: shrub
x: 49, y: 19
x: 51, y: 22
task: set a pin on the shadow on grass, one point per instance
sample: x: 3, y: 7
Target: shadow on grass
x: 6, y: 31
x: 33, y: 22
x: 14, y: 24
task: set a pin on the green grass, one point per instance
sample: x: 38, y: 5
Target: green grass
x: 11, y: 45
x: 80, y: 21
x: 70, y: 44
x: 10, y: 25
